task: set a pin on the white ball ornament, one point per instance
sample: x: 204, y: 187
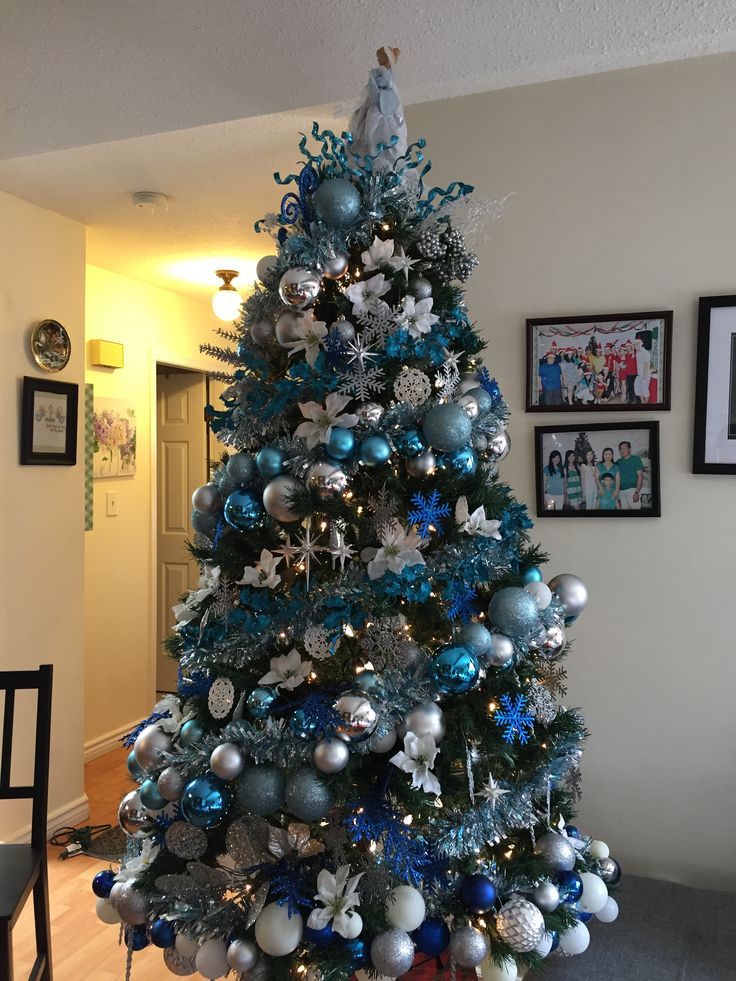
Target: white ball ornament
x: 277, y: 933
x: 106, y: 912
x: 595, y: 893
x: 186, y: 946
x: 575, y: 941
x: 354, y: 926
x: 598, y: 849
x: 545, y: 945
x: 541, y: 592
x: 211, y: 959
x: 405, y: 908
x: 505, y: 971
x: 609, y: 913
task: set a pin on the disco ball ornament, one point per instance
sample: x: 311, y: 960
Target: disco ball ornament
x: 134, y: 768
x: 243, y: 510
x: 241, y: 468
x: 426, y: 719
x: 299, y: 288
x: 392, y: 952
x: 336, y: 202
x: 520, y: 924
x: 171, y: 783
x: 478, y: 893
x: 370, y: 413
x: 211, y: 959
x: 405, y: 908
x: 423, y: 465
x: 133, y: 816
x: 262, y: 332
x: 477, y: 638
x: 103, y: 883
x: 286, y: 328
x: 130, y: 905
x: 270, y: 461
x: 331, y: 755
x: 553, y: 642
x: 433, y: 937
x: 151, y: 796
x: 207, y: 498
x: 326, y: 481
x: 513, y: 611
x: 499, y: 446
x: 277, y: 933
x: 410, y: 443
x: 227, y: 761
x: 468, y: 946
x: 569, y: 886
x: 572, y: 594
x: 307, y: 796
x: 260, y: 790
x: 162, y: 933
x: 335, y: 267
x: 264, y: 267
x: 484, y: 400
x: 557, y: 850
x: 242, y: 955
x: 341, y: 444
x: 278, y: 498
x: 610, y: 870
x: 455, y: 669
x: 260, y: 701
x: 469, y: 405
x: 206, y: 801
x: 375, y: 451
x: 150, y: 746
x: 532, y: 574
x: 546, y: 897
x: 420, y: 288
x: 446, y: 427
x: 464, y: 462
x: 191, y: 733
x: 358, y: 716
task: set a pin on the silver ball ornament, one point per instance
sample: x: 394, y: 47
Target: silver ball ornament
x: 133, y: 817
x: 609, y: 870
x: 286, y: 328
x: 277, y: 495
x: 262, y: 332
x: 227, y: 761
x: 520, y: 924
x: 499, y: 446
x: 307, y: 796
x: 571, y: 592
x: 481, y: 396
x: 426, y: 719
x: 150, y: 746
x: 546, y: 897
x: 242, y: 955
x: 468, y: 946
x: 327, y: 481
x: 470, y: 406
x: 392, y: 953
x: 207, y: 498
x: 423, y: 465
x: 557, y: 851
x: 500, y: 652
x: 553, y: 642
x: 130, y: 905
x: 331, y: 755
x: 264, y: 268
x: 420, y: 287
x: 370, y: 413
x: 170, y: 783
x: 299, y: 288
x: 335, y: 267
x: 343, y: 330
x: 382, y: 744
x: 358, y: 716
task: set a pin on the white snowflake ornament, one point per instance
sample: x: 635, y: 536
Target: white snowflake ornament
x: 221, y: 698
x: 317, y: 642
x: 412, y: 386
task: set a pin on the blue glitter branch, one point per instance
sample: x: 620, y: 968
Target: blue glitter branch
x: 154, y: 717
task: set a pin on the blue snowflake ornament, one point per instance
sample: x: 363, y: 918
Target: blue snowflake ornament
x: 516, y: 721
x: 427, y: 513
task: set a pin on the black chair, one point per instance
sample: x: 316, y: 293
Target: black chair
x: 23, y: 867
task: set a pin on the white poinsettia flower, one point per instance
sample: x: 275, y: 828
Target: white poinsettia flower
x: 287, y: 671
x: 416, y: 316
x: 418, y: 758
x: 399, y: 549
x: 339, y: 896
x: 209, y: 580
x: 477, y: 523
x: 178, y: 713
x: 263, y: 574
x: 310, y: 338
x: 378, y: 254
x: 402, y: 263
x: 135, y: 866
x: 320, y: 419
x: 366, y: 295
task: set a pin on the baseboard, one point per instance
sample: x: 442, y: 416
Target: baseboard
x: 107, y: 742
x: 72, y: 813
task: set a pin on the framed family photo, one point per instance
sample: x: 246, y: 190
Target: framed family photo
x: 598, y: 470
x: 48, y: 427
x: 714, y: 441
x: 599, y: 363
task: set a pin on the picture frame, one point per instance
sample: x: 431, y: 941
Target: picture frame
x: 48, y: 425
x: 570, y: 483
x: 602, y: 362
x: 714, y: 431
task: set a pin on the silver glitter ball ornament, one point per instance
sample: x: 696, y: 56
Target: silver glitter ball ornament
x: 185, y: 841
x: 131, y: 905
x: 170, y: 783
x: 392, y: 953
x: 423, y: 465
x: 260, y: 790
x: 299, y: 288
x: 262, y: 332
x: 358, y: 716
x: 227, y: 761
x: 420, y: 287
x: 133, y: 817
x: 468, y: 946
x: 426, y: 719
x: 500, y: 652
x: 327, y: 481
x: 331, y: 755
x: 470, y: 406
x: 571, y: 592
x: 207, y: 498
x: 307, y: 796
x: 286, y: 332
x: 412, y: 655
x: 178, y: 964
x: 264, y: 267
x: 553, y: 641
x: 343, y: 330
x: 241, y: 468
x: 370, y: 413
x: 150, y: 746
x: 277, y: 496
x: 242, y: 955
x: 335, y: 267
x: 520, y: 924
x: 336, y: 202
x: 546, y: 897
x: 557, y: 851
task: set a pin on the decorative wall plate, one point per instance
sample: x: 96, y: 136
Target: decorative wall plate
x: 50, y: 345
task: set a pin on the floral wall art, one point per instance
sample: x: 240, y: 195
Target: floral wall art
x: 114, y: 438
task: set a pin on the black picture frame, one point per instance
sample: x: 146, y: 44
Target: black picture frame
x: 714, y: 430
x: 618, y: 429
x: 630, y: 323
x: 35, y: 427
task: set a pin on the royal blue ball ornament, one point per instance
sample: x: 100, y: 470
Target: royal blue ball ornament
x: 162, y: 933
x: 410, y: 443
x: 190, y: 733
x: 432, y: 937
x: 476, y: 638
x: 103, y: 883
x: 375, y: 451
x: 336, y: 202
x: 478, y: 893
x: 134, y: 768
x: 571, y: 831
x: 455, y: 669
x: 532, y: 574
x: 446, y: 427
x: 320, y: 938
x: 206, y: 801
x: 570, y: 886
x: 555, y: 939
x: 243, y: 510
x: 514, y: 612
x: 151, y: 797
x: 270, y: 461
x: 359, y: 952
x: 463, y: 462
x: 136, y: 937
x: 341, y: 444
x: 260, y: 702
x: 583, y: 916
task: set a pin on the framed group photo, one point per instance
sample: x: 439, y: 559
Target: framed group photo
x: 714, y: 439
x: 48, y: 428
x: 599, y: 363
x: 598, y: 470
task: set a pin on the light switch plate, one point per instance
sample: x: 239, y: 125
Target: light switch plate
x: 111, y: 501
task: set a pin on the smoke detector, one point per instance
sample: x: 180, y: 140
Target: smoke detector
x: 150, y: 200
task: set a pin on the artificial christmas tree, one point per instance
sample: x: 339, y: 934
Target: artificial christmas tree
x: 366, y: 764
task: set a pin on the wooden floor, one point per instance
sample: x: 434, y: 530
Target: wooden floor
x: 83, y: 948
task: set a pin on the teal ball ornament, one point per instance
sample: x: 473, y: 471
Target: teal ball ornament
x: 447, y: 428
x: 336, y: 202
x: 476, y: 638
x: 190, y: 733
x: 259, y: 702
x: 532, y: 574
x: 308, y: 797
x: 410, y: 443
x: 375, y: 451
x: 302, y: 724
x: 514, y: 612
x: 134, y: 768
x: 241, y: 468
x: 206, y: 801
x: 464, y: 462
x: 484, y: 400
x: 341, y: 444
x: 260, y: 790
x: 151, y: 796
x: 270, y: 461
x: 243, y: 510
x: 455, y: 669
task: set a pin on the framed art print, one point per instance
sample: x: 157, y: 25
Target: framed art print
x: 599, y: 363
x: 714, y: 438
x: 48, y: 428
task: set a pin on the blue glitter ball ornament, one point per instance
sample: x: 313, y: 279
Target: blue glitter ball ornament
x: 375, y: 451
x: 478, y: 893
x: 260, y: 701
x: 241, y: 468
x: 432, y: 937
x: 570, y: 886
x: 532, y: 574
x: 484, y: 400
x: 447, y: 427
x: 455, y: 669
x: 162, y: 933
x: 336, y: 202
x: 476, y: 638
x: 410, y: 443
x: 302, y: 724
x: 134, y: 768
x: 243, y: 510
x: 270, y: 461
x: 206, y: 801
x: 136, y: 937
x: 103, y: 883
x: 151, y: 797
x: 514, y: 612
x: 464, y: 462
x: 320, y: 938
x: 190, y: 733
x: 359, y: 952
x: 341, y: 444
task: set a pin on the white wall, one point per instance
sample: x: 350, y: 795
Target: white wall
x: 41, y: 521
x: 625, y: 200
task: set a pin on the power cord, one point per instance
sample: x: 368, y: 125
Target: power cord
x: 75, y: 841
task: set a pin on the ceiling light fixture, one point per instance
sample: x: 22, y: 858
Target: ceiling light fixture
x: 226, y: 301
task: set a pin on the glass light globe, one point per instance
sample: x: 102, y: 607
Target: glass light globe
x: 226, y: 303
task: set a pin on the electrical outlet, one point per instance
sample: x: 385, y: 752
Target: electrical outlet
x: 111, y: 500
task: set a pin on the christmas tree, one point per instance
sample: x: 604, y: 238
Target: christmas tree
x: 366, y: 764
